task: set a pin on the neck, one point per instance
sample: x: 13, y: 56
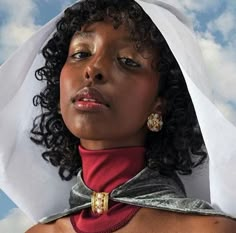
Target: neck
x: 104, y: 170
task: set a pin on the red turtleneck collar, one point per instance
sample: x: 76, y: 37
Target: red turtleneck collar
x: 103, y: 171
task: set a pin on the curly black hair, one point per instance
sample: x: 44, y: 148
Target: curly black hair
x: 178, y: 147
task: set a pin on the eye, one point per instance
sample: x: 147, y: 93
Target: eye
x: 81, y: 55
x: 128, y: 62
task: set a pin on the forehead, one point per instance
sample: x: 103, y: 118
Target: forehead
x: 104, y: 28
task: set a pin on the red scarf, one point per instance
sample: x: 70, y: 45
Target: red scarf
x: 103, y: 171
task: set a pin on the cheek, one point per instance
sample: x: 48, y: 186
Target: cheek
x: 138, y: 103
x: 64, y: 83
x: 69, y: 84
x: 146, y: 99
x: 67, y: 91
x: 146, y: 93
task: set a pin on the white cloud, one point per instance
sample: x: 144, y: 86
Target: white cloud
x: 16, y: 221
x: 228, y: 110
x: 18, y: 25
x: 220, y: 62
x: 66, y: 3
x: 220, y: 58
x: 193, y: 5
x: 200, y: 5
x: 225, y: 24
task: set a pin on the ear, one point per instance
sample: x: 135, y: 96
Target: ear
x: 159, y: 106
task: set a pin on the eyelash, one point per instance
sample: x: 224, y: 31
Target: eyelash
x: 131, y: 63
x: 79, y: 53
x: 128, y: 62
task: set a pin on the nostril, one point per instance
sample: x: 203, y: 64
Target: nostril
x: 99, y: 76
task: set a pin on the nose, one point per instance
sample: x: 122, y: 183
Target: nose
x: 96, y: 70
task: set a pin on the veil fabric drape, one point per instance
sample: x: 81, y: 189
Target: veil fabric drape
x: 36, y: 187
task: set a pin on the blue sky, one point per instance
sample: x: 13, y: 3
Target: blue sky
x: 5, y: 205
x: 214, y: 21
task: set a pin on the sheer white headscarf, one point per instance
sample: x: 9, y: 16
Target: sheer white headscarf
x: 36, y: 187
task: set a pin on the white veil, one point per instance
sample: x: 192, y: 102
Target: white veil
x: 36, y: 187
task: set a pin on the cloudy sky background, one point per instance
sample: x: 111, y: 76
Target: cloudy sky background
x: 214, y: 22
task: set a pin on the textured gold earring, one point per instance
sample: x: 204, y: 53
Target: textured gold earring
x: 155, y: 122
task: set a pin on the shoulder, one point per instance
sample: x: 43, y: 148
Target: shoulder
x: 42, y: 228
x: 213, y: 224
x: 60, y: 226
x: 149, y: 220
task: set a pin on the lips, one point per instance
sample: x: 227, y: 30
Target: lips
x: 89, y: 98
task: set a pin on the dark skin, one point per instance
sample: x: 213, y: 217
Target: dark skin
x: 103, y: 58
x: 154, y: 221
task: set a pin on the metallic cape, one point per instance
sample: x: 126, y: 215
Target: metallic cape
x: 36, y: 187
x: 147, y: 189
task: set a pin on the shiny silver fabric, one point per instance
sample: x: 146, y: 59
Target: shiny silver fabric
x: 147, y: 189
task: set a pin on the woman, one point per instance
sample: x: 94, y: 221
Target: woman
x: 107, y: 77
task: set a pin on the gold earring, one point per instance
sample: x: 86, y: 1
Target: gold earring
x: 155, y: 122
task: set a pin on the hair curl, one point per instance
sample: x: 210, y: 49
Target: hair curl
x: 177, y: 147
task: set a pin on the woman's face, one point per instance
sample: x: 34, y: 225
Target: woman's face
x: 107, y: 88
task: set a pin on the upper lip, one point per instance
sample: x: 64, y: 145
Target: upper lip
x: 90, y: 93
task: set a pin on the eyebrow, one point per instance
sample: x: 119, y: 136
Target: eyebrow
x: 83, y: 35
x: 91, y: 34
